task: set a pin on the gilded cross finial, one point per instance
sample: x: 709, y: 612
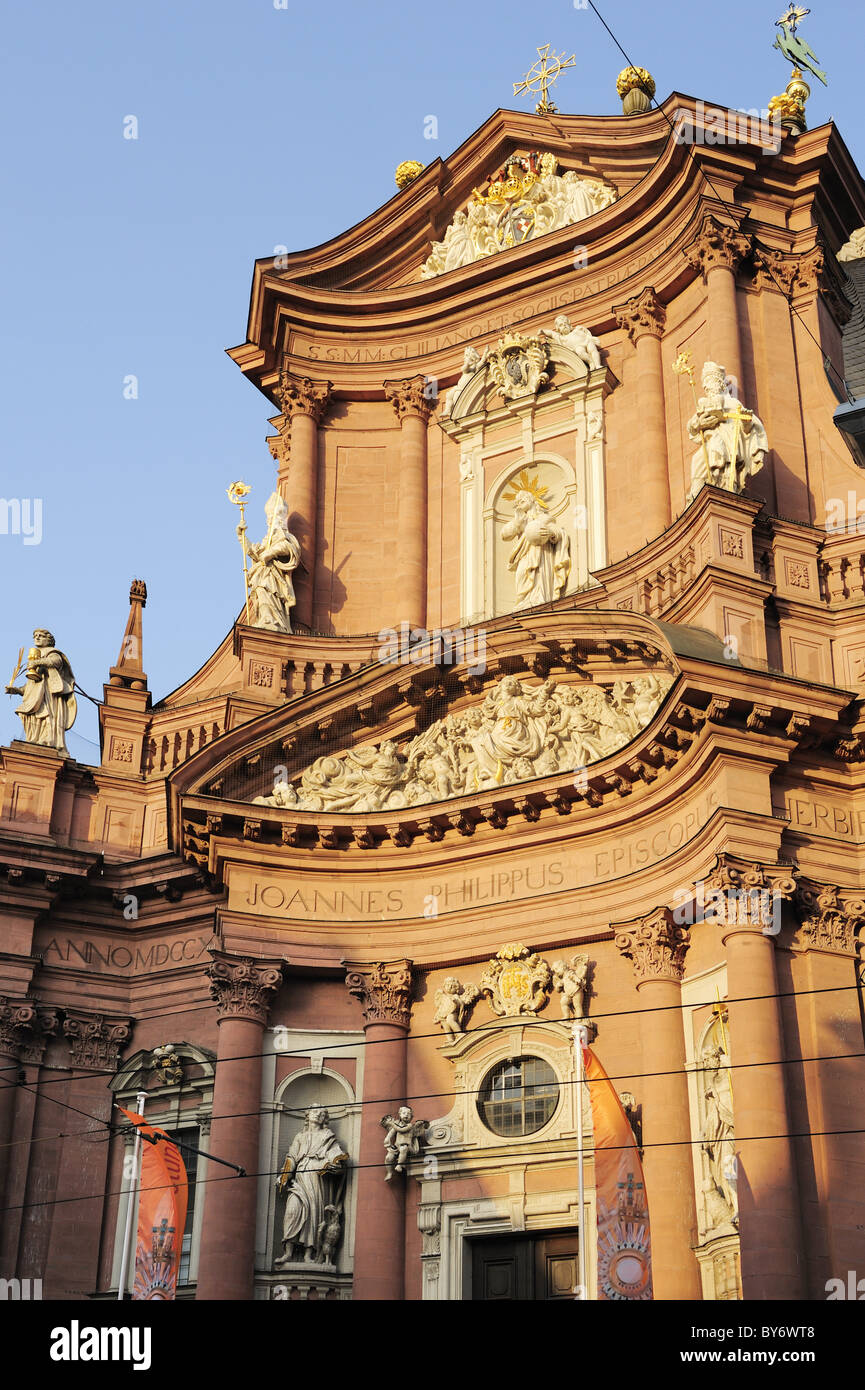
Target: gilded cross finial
x: 541, y: 76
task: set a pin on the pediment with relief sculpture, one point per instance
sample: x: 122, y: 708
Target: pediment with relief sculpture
x: 524, y: 199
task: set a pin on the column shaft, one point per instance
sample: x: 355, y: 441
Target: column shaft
x: 769, y: 1219
x: 723, y: 315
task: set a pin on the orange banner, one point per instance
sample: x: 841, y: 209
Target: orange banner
x: 624, y: 1242
x: 161, y: 1213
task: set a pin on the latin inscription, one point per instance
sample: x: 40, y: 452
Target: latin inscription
x: 107, y: 955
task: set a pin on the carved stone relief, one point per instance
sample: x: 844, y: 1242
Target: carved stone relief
x: 518, y: 733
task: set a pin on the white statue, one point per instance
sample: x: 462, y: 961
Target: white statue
x: 472, y: 361
x: 271, y: 591
x: 718, y: 1142
x: 854, y: 249
x: 518, y: 732
x: 578, y: 339
x: 572, y: 980
x: 540, y: 558
x: 733, y: 442
x: 313, y: 1178
x: 453, y: 1003
x: 402, y: 1140
x: 48, y: 705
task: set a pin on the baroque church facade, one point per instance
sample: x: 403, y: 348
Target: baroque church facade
x: 545, y: 709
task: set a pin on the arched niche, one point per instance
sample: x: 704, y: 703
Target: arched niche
x: 554, y: 480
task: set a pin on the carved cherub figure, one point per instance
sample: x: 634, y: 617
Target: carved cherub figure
x: 402, y: 1139
x: 453, y: 1002
x: 572, y: 981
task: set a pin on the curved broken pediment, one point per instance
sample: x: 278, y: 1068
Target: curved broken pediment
x: 525, y: 199
x: 519, y: 732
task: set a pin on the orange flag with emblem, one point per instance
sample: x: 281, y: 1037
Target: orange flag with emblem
x: 624, y: 1240
x: 161, y: 1213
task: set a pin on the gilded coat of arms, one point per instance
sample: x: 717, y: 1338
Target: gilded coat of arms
x: 517, y: 982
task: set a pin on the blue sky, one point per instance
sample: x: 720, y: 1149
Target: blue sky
x: 258, y: 126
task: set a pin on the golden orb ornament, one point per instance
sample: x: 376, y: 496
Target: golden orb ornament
x: 407, y: 172
x: 636, y: 87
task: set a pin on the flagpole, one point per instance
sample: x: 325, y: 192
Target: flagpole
x: 580, y: 1034
x: 130, y: 1209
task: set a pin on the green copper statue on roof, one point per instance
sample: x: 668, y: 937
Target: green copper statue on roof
x: 795, y: 49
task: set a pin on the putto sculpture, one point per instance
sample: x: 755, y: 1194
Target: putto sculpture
x: 516, y: 983
x: 571, y: 979
x: 453, y: 1003
x: 48, y: 705
x: 519, y: 732
x: 733, y: 442
x: 402, y: 1140
x: 313, y: 1181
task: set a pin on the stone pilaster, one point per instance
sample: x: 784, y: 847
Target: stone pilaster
x: 384, y: 992
x: 656, y: 947
x: 413, y: 407
x: 643, y: 317
x: 303, y: 403
x: 242, y: 988
x: 95, y: 1040
x: 716, y: 252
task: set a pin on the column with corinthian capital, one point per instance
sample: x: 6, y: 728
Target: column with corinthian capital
x: 413, y: 407
x: 17, y: 1018
x: 242, y: 987
x: 303, y: 404
x: 643, y: 317
x: 716, y: 252
x: 384, y: 991
x: 770, y: 1231
x: 656, y: 947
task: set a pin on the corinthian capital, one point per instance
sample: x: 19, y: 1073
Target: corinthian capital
x: 717, y: 244
x: 410, y: 397
x: 243, y: 985
x: 643, y: 313
x: 830, y: 917
x: 655, y: 946
x: 384, y: 990
x: 17, y: 1017
x: 95, y: 1040
x: 302, y: 396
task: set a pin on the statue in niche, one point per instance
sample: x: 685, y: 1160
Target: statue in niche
x: 572, y: 980
x: 313, y: 1180
x: 718, y: 1142
x: 48, y: 704
x: 472, y: 362
x: 733, y: 442
x: 578, y: 339
x: 540, y: 557
x: 402, y: 1140
x: 274, y: 560
x: 453, y: 1004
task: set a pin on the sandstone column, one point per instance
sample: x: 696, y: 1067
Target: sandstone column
x: 384, y: 991
x: 656, y: 948
x: 17, y: 1017
x: 716, y: 251
x: 242, y: 987
x: 31, y: 1053
x: 644, y: 317
x: 413, y: 409
x: 770, y: 1236
x: 303, y: 404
